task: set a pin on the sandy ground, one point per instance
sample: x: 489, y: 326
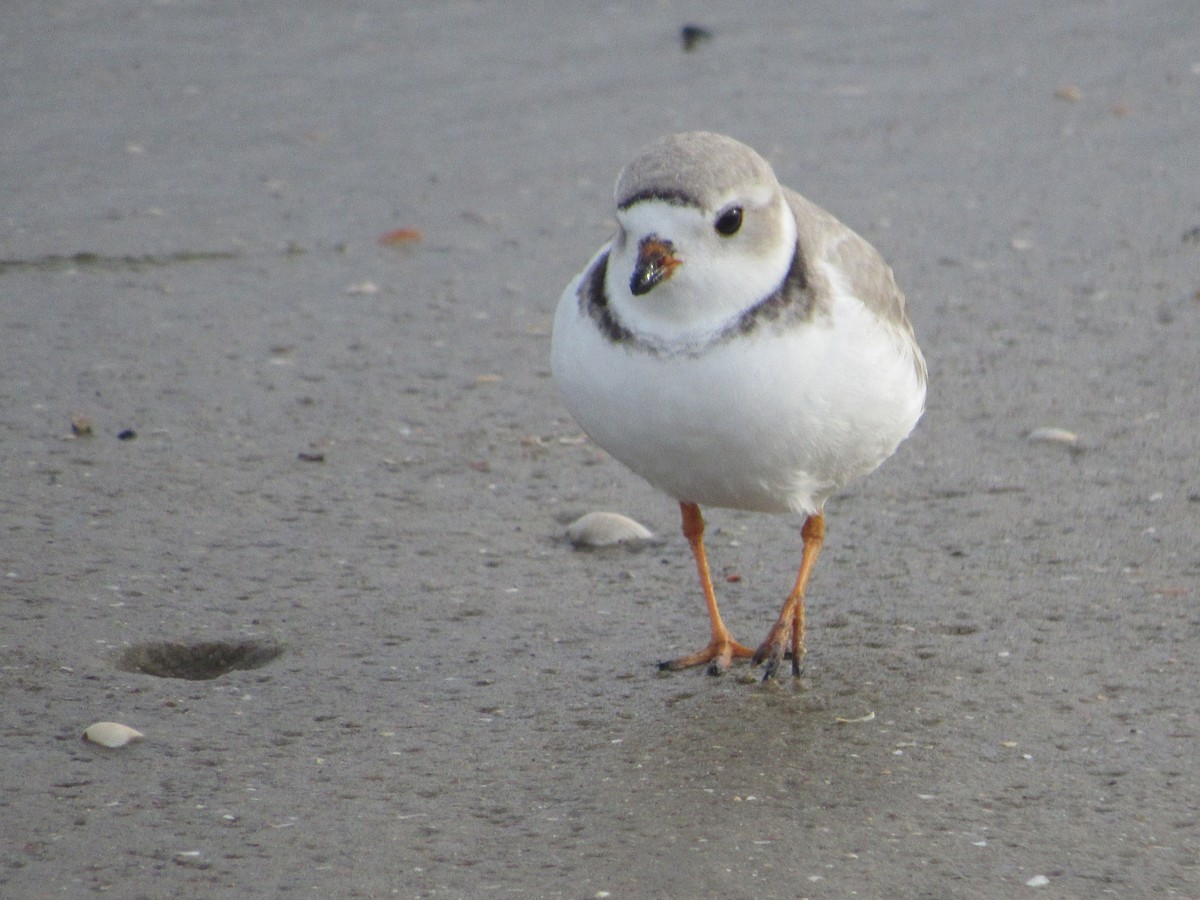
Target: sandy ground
x: 355, y: 451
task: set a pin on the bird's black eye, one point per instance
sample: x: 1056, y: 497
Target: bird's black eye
x: 729, y: 221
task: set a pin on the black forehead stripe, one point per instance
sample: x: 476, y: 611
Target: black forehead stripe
x: 673, y: 197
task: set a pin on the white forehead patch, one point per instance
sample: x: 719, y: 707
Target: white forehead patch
x: 657, y: 216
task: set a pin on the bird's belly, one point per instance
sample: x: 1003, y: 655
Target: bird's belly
x: 773, y: 421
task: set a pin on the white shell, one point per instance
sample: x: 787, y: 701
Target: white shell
x: 111, y: 734
x: 869, y: 717
x: 1053, y: 436
x: 603, y: 529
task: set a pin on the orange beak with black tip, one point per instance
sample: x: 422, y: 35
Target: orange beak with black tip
x: 655, y: 263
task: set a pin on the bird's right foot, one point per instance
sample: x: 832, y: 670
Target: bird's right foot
x: 718, y: 656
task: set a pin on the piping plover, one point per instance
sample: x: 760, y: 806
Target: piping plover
x: 737, y: 346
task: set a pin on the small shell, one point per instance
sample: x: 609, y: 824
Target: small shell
x: 603, y: 529
x: 868, y: 717
x: 361, y: 289
x: 111, y: 734
x: 399, y: 236
x: 1053, y: 436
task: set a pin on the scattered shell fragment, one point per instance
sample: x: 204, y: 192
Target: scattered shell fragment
x: 1053, y: 436
x: 603, y: 529
x: 693, y: 35
x: 1068, y: 92
x: 399, y: 236
x: 111, y: 734
x: 81, y: 425
x: 841, y: 720
x: 362, y: 289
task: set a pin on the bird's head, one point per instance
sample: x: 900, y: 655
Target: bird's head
x: 704, y: 232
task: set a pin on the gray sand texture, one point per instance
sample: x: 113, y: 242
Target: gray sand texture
x: 334, y: 474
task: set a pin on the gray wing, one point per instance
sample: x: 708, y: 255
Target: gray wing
x: 823, y: 238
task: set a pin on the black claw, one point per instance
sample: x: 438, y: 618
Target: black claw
x: 714, y: 669
x: 664, y: 666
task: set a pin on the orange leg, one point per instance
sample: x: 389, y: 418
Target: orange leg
x: 722, y: 648
x: 790, y: 623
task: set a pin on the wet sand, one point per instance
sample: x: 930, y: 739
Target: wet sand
x: 302, y: 438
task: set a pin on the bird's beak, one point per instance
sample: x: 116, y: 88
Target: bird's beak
x: 655, y: 263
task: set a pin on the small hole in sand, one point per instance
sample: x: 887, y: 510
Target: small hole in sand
x: 199, y: 661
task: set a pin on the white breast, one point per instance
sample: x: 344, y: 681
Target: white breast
x: 772, y: 421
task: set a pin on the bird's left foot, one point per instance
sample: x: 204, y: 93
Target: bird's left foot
x: 775, y: 649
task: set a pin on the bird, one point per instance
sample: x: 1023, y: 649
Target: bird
x: 737, y: 347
